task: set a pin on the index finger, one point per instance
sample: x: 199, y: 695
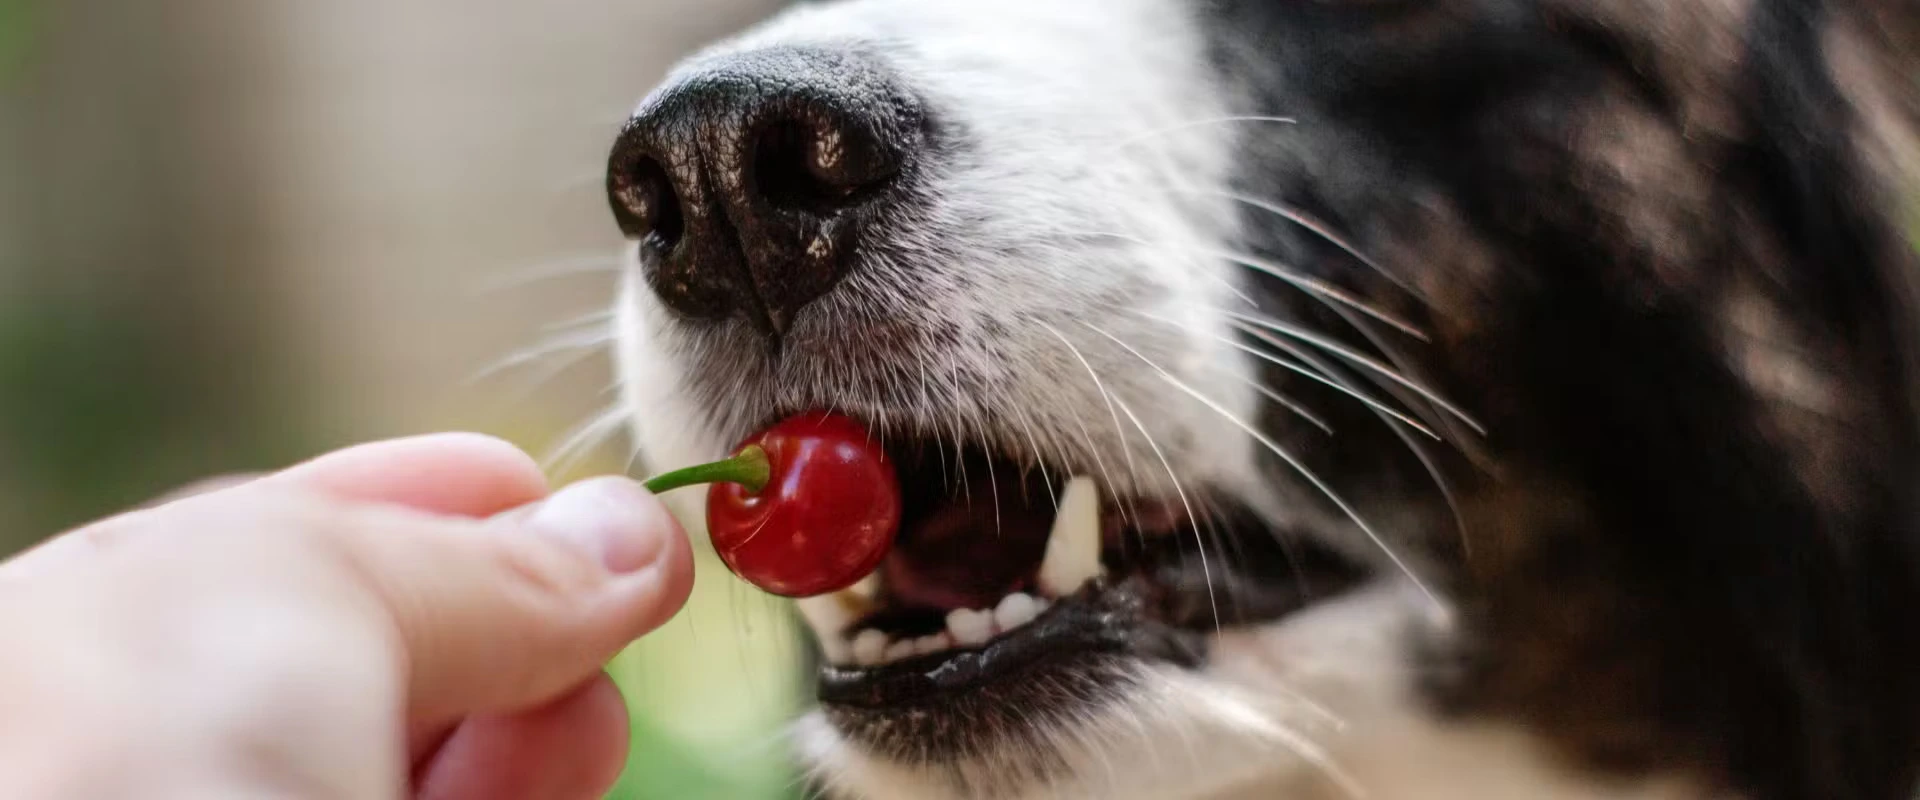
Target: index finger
x: 448, y: 474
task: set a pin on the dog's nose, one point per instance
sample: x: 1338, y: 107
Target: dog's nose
x: 751, y: 179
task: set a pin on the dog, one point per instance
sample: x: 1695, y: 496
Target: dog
x: 1479, y: 399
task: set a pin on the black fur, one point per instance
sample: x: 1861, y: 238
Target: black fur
x: 1652, y: 251
x: 1653, y: 580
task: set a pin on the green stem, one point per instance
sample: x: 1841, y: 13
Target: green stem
x: 749, y: 468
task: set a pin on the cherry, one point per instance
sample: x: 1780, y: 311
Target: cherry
x: 806, y: 507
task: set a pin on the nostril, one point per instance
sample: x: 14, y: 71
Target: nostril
x: 645, y: 206
x: 753, y: 183
x: 815, y: 165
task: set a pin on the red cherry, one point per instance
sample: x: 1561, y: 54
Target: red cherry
x: 824, y: 520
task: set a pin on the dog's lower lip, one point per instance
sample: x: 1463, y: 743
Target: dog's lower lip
x: 1101, y: 620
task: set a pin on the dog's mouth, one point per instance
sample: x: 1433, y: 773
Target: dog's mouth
x: 1005, y: 570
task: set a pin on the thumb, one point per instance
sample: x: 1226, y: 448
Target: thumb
x: 531, y: 604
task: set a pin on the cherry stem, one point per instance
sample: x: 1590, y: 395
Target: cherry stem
x: 749, y: 468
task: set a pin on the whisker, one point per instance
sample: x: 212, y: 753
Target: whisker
x: 926, y: 406
x: 960, y: 461
x: 540, y: 378
x: 1312, y: 225
x: 1250, y: 715
x: 602, y: 318
x: 1183, y: 730
x: 1085, y: 734
x: 603, y: 425
x: 583, y: 265
x: 1228, y: 547
x: 1292, y: 462
x: 1357, y: 357
x: 1127, y: 452
x: 1414, y: 403
x: 1149, y: 744
x: 1441, y: 483
x: 1206, y: 570
x: 1317, y: 756
x: 1279, y: 399
x: 1202, y: 123
x: 1228, y: 284
x: 1323, y: 289
x: 1419, y: 449
x: 993, y: 481
x: 588, y: 341
x: 1098, y: 462
x: 1296, y: 367
x: 1299, y: 280
x: 1211, y: 530
x: 1312, y: 478
x: 635, y: 457
x: 976, y: 418
x: 1087, y: 435
x: 1301, y: 699
x: 1039, y: 459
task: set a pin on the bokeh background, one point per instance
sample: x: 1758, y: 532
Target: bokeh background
x: 236, y: 232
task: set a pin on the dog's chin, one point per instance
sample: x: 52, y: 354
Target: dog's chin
x: 1069, y: 712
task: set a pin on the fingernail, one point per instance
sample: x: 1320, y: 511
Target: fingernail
x: 614, y: 520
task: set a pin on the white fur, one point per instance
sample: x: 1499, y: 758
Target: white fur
x: 1055, y: 208
x: 1073, y: 119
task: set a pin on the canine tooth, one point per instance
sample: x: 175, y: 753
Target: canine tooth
x: 1016, y: 610
x: 828, y: 615
x: 866, y: 590
x: 932, y: 644
x: 869, y: 647
x: 1073, y: 548
x: 898, y: 651
x: 969, y: 627
x: 856, y: 600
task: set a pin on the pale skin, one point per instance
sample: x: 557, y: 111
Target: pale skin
x: 410, y: 619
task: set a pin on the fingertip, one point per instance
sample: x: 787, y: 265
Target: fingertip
x: 614, y: 520
x: 669, y: 591
x: 651, y: 597
x: 625, y: 528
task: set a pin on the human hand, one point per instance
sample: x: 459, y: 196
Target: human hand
x: 407, y: 619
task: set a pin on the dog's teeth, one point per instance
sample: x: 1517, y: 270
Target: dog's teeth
x: 935, y: 643
x: 1073, y: 548
x: 828, y: 615
x: 970, y: 628
x: 898, y: 651
x: 869, y: 647
x: 1016, y: 610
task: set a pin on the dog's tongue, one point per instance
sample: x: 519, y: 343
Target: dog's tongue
x: 970, y: 551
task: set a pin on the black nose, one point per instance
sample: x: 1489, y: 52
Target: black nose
x: 750, y: 181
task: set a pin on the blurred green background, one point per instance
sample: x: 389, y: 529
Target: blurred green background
x: 236, y: 232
